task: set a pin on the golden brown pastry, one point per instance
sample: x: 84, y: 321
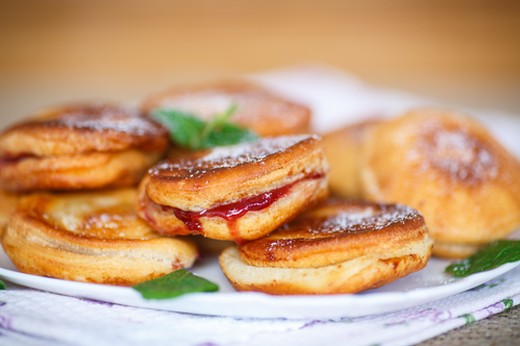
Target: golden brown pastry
x: 237, y: 193
x: 92, y: 237
x: 339, y: 247
x: 81, y: 146
x: 344, y: 150
x: 452, y: 170
x: 8, y: 203
x: 258, y: 109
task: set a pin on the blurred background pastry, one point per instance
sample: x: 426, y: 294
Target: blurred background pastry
x: 257, y: 108
x: 344, y: 150
x: 450, y: 168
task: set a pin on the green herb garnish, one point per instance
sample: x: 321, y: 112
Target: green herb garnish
x: 174, y: 284
x: 2, y: 285
x: 189, y: 131
x: 492, y: 256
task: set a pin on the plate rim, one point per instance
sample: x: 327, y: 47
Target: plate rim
x: 286, y: 306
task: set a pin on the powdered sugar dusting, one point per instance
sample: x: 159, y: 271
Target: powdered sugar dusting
x: 252, y: 152
x: 455, y: 153
x: 204, y: 105
x: 366, y: 220
x: 104, y: 117
x: 231, y: 156
x: 254, y: 103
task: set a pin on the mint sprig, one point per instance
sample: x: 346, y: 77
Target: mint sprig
x: 174, y: 284
x: 191, y: 132
x: 2, y: 285
x: 492, y: 256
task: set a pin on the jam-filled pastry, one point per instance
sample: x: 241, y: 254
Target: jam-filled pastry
x: 338, y: 247
x: 80, y: 146
x: 258, y: 109
x: 344, y: 148
x: 91, y: 237
x: 239, y: 192
x: 452, y: 170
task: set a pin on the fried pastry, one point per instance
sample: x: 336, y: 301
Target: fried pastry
x: 239, y: 192
x: 344, y: 148
x: 91, y: 237
x: 452, y: 170
x: 258, y: 109
x: 8, y: 202
x: 82, y: 146
x: 338, y: 247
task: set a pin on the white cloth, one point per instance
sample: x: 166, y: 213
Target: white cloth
x: 30, y: 317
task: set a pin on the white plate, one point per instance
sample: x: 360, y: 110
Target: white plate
x: 335, y: 99
x: 425, y: 286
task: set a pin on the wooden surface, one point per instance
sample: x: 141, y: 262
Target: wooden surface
x: 463, y: 51
x: 500, y: 329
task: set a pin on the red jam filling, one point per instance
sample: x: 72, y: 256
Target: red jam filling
x: 233, y: 211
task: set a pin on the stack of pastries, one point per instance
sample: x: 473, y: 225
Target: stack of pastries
x: 97, y: 193
x: 69, y: 172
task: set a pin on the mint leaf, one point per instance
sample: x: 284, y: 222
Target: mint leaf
x: 492, y: 256
x: 174, y: 284
x: 218, y: 120
x: 2, y: 285
x: 185, y: 129
x: 191, y: 132
x: 228, y: 134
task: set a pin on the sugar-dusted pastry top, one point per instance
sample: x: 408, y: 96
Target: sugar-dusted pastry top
x: 223, y: 158
x: 334, y: 232
x: 225, y: 174
x: 257, y: 108
x: 455, y: 151
x: 82, y: 128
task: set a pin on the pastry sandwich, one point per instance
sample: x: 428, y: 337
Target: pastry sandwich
x: 239, y: 192
x: 338, y: 247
